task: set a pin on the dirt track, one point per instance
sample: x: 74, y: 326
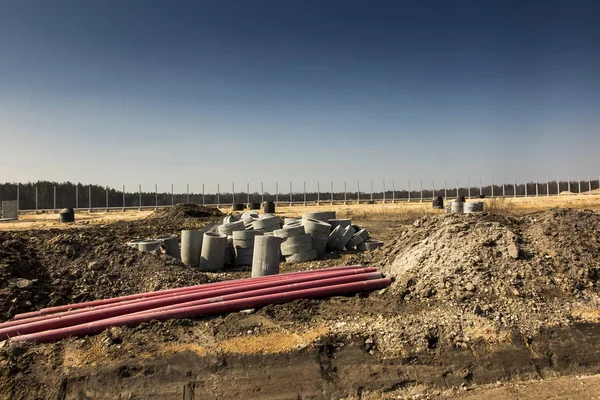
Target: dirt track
x: 424, y: 335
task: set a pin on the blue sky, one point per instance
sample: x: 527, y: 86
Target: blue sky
x: 127, y: 92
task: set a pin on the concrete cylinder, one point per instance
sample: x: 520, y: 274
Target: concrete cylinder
x: 149, y: 246
x: 266, y: 257
x: 135, y: 243
x: 346, y: 236
x: 457, y: 207
x: 212, y: 256
x: 191, y: 245
x: 343, y: 223
x: 170, y: 246
x: 468, y: 208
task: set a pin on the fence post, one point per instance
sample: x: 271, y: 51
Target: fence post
x: 525, y: 189
x: 276, y: 192
x: 54, y: 198
x: 371, y: 190
x: 457, y: 189
x: 480, y: 187
x: 421, y: 190
x: 503, y: 188
x: 318, y: 193
x: 384, y: 191
x: 578, y: 185
x: 393, y: 192
x: 547, y: 187
x: 492, y: 187
x: 409, y: 190
x: 123, y: 198
x: 304, y: 185
x: 218, y: 195
x: 589, y: 186
x: 514, y: 187
x: 107, y: 199
x: 291, y: 200
x: 203, y: 203
x: 187, y: 192
x: 18, y: 202
x: 536, y: 187
x: 433, y: 191
x: 172, y: 196
x: 248, y: 193
x: 569, y: 185
x: 331, y: 193
x: 557, y: 186
x: 345, y: 193
x: 469, y: 188
x: 232, y: 194
x: 358, y: 191
x: 155, y: 197
x: 140, y: 197
x: 262, y: 193
x: 77, y: 196
x: 36, y: 199
x: 90, y: 196
x: 445, y: 190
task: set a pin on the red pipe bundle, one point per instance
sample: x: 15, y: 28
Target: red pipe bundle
x: 94, y: 317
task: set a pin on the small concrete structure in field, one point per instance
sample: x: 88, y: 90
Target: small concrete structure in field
x: 10, y: 210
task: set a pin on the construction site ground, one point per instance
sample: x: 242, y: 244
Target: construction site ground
x: 502, y: 304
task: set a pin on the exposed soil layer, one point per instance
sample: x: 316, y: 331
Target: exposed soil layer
x: 477, y: 299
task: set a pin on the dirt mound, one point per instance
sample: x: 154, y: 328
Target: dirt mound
x: 503, y: 268
x: 188, y: 210
x: 60, y: 267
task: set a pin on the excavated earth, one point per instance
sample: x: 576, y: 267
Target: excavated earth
x: 477, y: 299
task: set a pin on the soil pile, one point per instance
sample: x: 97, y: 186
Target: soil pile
x: 59, y: 267
x: 505, y: 269
x: 188, y: 210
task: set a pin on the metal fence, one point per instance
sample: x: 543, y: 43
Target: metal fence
x: 52, y: 197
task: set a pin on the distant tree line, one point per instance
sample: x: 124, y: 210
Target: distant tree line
x: 70, y: 194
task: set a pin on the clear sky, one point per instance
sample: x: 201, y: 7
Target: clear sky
x: 119, y: 92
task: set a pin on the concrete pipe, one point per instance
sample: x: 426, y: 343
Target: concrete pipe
x: 266, y: 223
x: 254, y: 206
x: 170, y: 246
x: 460, y: 199
x: 320, y: 246
x: 135, y: 243
x: 369, y: 245
x: 289, y: 249
x: 191, y: 245
x: 318, y: 235
x: 478, y: 206
x: 230, y: 218
x: 321, y: 216
x: 298, y: 239
x: 212, y: 257
x: 267, y: 254
x: 302, y: 257
x: 292, y: 224
x: 468, y: 208
x: 340, y: 222
x: 346, y: 236
x: 289, y: 232
x: 237, y: 207
x: 334, y: 236
x: 457, y: 207
x: 314, y: 225
x: 269, y: 207
x: 149, y: 246
x: 231, y: 227
x: 448, y: 207
x: 291, y: 220
x: 249, y: 216
x: 357, y: 239
x: 67, y: 215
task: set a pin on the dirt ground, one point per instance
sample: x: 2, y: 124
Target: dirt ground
x: 501, y: 305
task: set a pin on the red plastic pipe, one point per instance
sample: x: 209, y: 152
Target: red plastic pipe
x: 93, y: 303
x: 205, y: 309
x: 201, y: 288
x: 271, y: 290
x: 93, y: 315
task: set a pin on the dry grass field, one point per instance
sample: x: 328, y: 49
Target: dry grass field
x: 398, y: 212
